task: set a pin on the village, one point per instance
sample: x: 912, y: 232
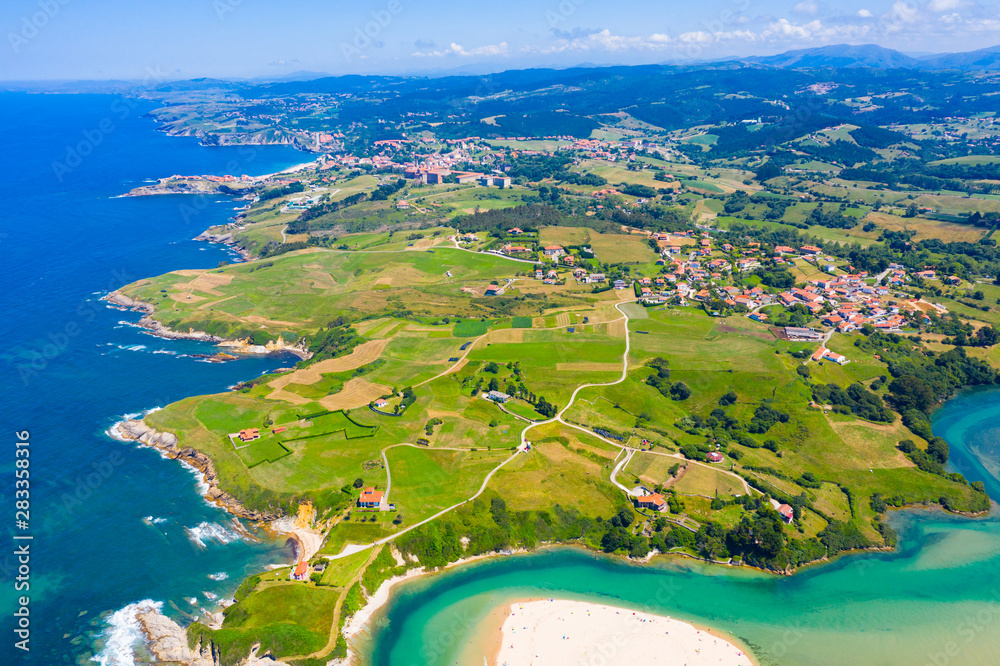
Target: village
x: 692, y: 269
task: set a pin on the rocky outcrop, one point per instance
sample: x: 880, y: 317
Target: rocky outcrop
x: 272, y: 346
x: 154, y: 327
x: 238, y: 346
x: 224, y: 239
x: 168, y: 642
x: 168, y: 186
x: 168, y: 444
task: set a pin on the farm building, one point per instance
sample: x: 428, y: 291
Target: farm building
x: 497, y: 396
x: 370, y: 499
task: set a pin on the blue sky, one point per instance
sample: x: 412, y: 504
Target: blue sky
x: 139, y: 39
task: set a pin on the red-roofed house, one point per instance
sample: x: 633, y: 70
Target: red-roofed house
x: 370, y: 498
x: 301, y: 570
x: 654, y: 502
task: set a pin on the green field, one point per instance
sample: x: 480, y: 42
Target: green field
x: 470, y: 329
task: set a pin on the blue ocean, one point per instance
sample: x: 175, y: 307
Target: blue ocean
x: 110, y: 523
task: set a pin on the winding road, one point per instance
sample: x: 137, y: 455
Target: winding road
x: 350, y: 549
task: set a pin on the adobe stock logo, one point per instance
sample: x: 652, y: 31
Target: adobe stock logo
x: 367, y: 36
x: 32, y: 25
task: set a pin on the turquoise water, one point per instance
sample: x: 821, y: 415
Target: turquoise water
x: 970, y: 423
x: 935, y: 601
x: 112, y: 523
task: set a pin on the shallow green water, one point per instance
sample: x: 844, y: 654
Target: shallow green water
x: 935, y: 601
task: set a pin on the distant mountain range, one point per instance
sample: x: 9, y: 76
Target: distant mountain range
x: 840, y: 56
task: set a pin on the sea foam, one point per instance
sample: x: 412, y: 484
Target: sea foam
x: 124, y: 634
x: 205, y: 531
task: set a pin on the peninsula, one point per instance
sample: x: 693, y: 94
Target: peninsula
x: 711, y: 339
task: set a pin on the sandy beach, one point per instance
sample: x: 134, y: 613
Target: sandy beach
x: 559, y: 631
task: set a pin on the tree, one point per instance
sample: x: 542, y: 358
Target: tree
x: 911, y: 392
x: 498, y: 509
x: 359, y: 482
x: 987, y: 336
x: 545, y: 408
x: 728, y: 398
x: 767, y: 171
x: 938, y: 449
x: 680, y: 391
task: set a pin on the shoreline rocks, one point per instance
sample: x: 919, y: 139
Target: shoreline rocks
x: 168, y: 444
x: 154, y: 327
x: 224, y: 239
x: 168, y: 641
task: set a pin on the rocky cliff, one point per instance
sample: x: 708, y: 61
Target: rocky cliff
x: 168, y: 444
x: 168, y: 642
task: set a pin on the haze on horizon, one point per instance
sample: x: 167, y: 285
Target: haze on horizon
x: 114, y: 39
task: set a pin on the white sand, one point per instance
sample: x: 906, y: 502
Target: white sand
x: 577, y: 633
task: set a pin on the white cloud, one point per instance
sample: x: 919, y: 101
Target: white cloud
x: 603, y: 40
x: 864, y: 13
x: 787, y: 29
x: 697, y: 37
x: 462, y: 52
x: 806, y: 7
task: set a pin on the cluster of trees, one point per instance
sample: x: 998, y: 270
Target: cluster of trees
x: 736, y: 202
x: 540, y: 167
x: 856, y: 398
x: 334, y: 339
x: 636, y: 190
x: 841, y: 152
x: 301, y: 224
x: 922, y: 379
x: 291, y: 188
x: 832, y: 219
x: 575, y: 178
x: 765, y: 417
x: 933, y: 459
x: 528, y: 217
x: 959, y: 177
x: 490, y: 525
x: 386, y: 190
x: 871, y: 136
x: 759, y: 539
x: 776, y: 277
x: 542, y: 123
x: 660, y: 380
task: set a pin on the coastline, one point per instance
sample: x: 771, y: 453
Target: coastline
x: 227, y: 240
x: 168, y: 445
x: 154, y: 327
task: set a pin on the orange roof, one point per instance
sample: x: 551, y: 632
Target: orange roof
x: 300, y: 569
